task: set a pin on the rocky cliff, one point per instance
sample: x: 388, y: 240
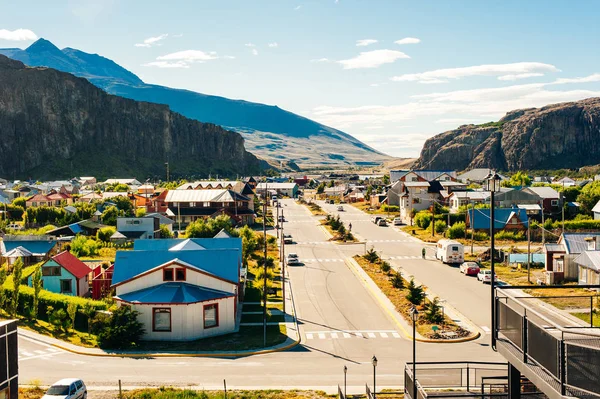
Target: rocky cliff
x: 55, y: 125
x: 565, y: 135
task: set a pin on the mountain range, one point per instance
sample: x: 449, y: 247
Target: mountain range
x: 565, y: 135
x: 269, y: 131
x: 54, y: 124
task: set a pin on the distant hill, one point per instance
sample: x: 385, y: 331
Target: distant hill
x: 270, y: 132
x: 557, y: 136
x: 55, y: 124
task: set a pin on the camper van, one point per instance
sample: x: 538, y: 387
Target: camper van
x: 449, y: 251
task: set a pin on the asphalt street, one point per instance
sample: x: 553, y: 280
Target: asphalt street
x: 340, y: 324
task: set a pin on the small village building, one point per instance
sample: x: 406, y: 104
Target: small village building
x: 65, y: 274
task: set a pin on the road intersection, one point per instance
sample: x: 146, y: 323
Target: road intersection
x: 340, y: 322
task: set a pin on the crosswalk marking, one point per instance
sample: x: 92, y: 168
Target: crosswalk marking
x: 390, y: 241
x: 358, y: 334
x: 46, y: 353
x: 309, y: 336
x: 310, y: 260
x: 334, y: 335
x: 486, y: 329
x: 40, y: 352
x: 321, y: 336
x: 372, y: 335
x: 400, y: 257
x: 383, y: 335
x: 346, y: 335
x: 395, y: 335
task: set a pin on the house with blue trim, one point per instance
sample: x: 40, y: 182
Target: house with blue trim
x: 183, y: 289
x: 65, y: 274
x: 504, y: 219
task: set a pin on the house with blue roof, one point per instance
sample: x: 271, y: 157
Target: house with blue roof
x: 184, y: 289
x: 30, y: 249
x: 504, y: 219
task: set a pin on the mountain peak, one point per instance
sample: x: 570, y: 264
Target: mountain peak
x: 42, y: 45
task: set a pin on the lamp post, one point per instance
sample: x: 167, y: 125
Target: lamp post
x: 345, y: 385
x: 492, y: 182
x: 415, y: 316
x: 374, y: 362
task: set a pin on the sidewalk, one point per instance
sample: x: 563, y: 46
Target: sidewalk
x: 293, y: 339
x: 404, y: 325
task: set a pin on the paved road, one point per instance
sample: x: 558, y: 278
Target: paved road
x: 340, y: 324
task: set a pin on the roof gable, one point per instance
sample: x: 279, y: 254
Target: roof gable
x: 73, y: 265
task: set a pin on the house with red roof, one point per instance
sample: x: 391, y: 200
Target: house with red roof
x: 65, y: 274
x: 39, y: 200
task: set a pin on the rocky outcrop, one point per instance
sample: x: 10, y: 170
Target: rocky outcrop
x: 55, y: 125
x: 565, y: 135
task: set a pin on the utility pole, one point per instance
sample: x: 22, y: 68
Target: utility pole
x: 277, y: 223
x: 433, y: 219
x: 529, y: 251
x: 282, y: 263
x: 563, y: 209
x: 265, y: 271
x: 543, y: 229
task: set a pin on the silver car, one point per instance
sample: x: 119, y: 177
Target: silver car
x: 67, y: 388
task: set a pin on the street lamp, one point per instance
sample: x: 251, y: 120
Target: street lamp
x: 374, y: 362
x: 492, y: 184
x: 345, y: 372
x: 415, y: 316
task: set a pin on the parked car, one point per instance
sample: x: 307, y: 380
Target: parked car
x: 485, y: 276
x: 376, y: 219
x: 292, y: 259
x: 470, y: 268
x: 381, y: 222
x: 15, y: 226
x: 287, y: 239
x: 398, y: 222
x: 67, y: 388
x: 340, y: 208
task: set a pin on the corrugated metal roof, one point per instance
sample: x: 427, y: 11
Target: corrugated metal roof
x: 37, y: 248
x: 204, y: 196
x: 544, y: 192
x: 576, y: 243
x: 480, y: 218
x: 554, y: 248
x: 165, y: 244
x: 173, y: 293
x: 589, y: 259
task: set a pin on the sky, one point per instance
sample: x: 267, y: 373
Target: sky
x: 392, y: 73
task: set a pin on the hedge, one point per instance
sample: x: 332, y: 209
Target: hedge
x: 57, y: 301
x: 457, y: 230
x: 577, y: 224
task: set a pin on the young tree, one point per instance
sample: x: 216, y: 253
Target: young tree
x: 3, y: 299
x: 385, y: 267
x: 105, y: 233
x: 416, y: 293
x: 372, y: 256
x: 89, y: 311
x: 36, y: 281
x: 72, y: 312
x: 110, y: 215
x: 433, y: 312
x: 17, y: 275
x: 397, y: 281
x: 140, y: 212
x: 123, y: 331
x: 165, y: 232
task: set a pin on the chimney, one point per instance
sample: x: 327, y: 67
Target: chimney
x: 592, y: 243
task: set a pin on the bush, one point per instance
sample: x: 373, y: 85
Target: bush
x: 510, y: 235
x: 481, y: 236
x: 385, y: 267
x: 416, y: 293
x: 440, y: 226
x: 390, y: 208
x: 397, y: 281
x: 84, y: 246
x: 59, y: 319
x: 371, y: 256
x: 165, y: 232
x: 423, y: 219
x: 433, y: 311
x: 123, y: 330
x: 578, y: 224
x: 457, y: 230
x: 105, y: 233
x: 581, y: 216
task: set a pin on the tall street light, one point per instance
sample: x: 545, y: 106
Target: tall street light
x: 374, y: 362
x: 345, y: 385
x: 415, y: 316
x: 492, y: 184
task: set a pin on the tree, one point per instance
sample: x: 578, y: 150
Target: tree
x: 20, y: 201
x: 589, y: 196
x: 89, y: 311
x: 123, y: 331
x: 59, y: 319
x: 331, y: 183
x: 385, y: 267
x: 36, y: 282
x: 165, y: 232
x: 397, y: 281
x: 140, y: 212
x: 105, y: 233
x: 83, y: 246
x: 371, y: 256
x: 518, y: 179
x: 457, y: 230
x: 386, y: 179
x: 321, y: 188
x: 416, y: 293
x: 17, y: 275
x: 433, y: 311
x: 3, y: 300
x: 249, y: 242
x: 110, y: 215
x: 72, y: 312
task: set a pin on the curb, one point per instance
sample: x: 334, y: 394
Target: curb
x: 352, y: 264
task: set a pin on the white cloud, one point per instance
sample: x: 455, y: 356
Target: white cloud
x: 254, y: 51
x: 297, y: 8
x: 520, y: 76
x: 274, y: 44
x: 365, y: 42
x: 166, y: 64
x: 372, y: 59
x: 228, y: 57
x: 250, y: 45
x: 321, y: 60
x: 151, y: 41
x: 514, y: 69
x: 17, y: 35
x: 190, y: 56
x: 408, y: 40
x: 587, y: 79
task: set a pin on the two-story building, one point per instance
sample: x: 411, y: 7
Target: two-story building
x: 183, y: 289
x: 65, y: 274
x: 133, y: 228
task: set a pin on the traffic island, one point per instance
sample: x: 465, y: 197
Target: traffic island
x: 400, y: 296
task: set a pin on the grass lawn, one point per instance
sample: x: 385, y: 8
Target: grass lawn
x: 403, y: 305
x: 258, y: 308
x: 248, y: 338
x: 586, y: 317
x: 425, y: 235
x: 315, y: 209
x: 335, y: 234
x: 366, y: 207
x: 258, y: 318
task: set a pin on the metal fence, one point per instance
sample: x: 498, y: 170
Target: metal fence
x: 566, y: 356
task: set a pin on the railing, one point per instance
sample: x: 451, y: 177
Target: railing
x: 566, y: 356
x: 340, y: 393
x: 456, y: 379
x: 368, y: 391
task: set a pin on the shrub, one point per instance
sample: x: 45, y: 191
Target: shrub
x: 84, y: 246
x: 433, y: 311
x: 17, y: 274
x: 397, y: 281
x: 440, y: 226
x: 122, y: 331
x: 457, y: 230
x: 390, y: 208
x: 165, y: 232
x: 105, y: 233
x: 385, y: 267
x: 140, y: 212
x: 416, y: 293
x: 480, y: 236
x: 423, y: 219
x: 371, y: 256
x: 510, y: 235
x: 59, y: 319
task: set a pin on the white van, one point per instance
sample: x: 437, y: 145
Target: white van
x: 450, y: 251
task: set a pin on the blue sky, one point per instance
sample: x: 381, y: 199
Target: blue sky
x: 390, y: 72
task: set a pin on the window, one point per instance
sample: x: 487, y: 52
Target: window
x: 180, y: 274
x: 167, y: 274
x: 513, y: 220
x: 582, y: 275
x: 207, y: 204
x: 161, y: 319
x: 66, y: 286
x: 554, y: 202
x: 51, y: 271
x: 414, y: 179
x: 211, y: 315
x: 192, y: 204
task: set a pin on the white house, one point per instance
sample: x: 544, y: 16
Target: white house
x: 184, y: 289
x: 416, y: 197
x: 137, y: 228
x: 596, y: 211
x: 461, y: 198
x: 287, y: 189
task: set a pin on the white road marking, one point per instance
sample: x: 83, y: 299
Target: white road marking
x: 40, y: 352
x: 334, y: 335
x: 322, y: 336
x: 310, y: 336
x: 346, y: 335
x: 486, y: 329
x: 384, y: 335
x: 395, y: 335
x: 360, y: 334
x: 372, y: 335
